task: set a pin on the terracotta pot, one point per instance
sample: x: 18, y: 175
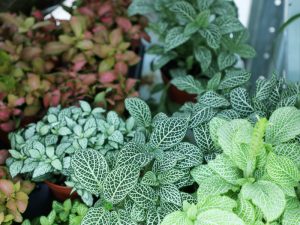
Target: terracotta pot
x: 177, y: 95
x: 61, y: 193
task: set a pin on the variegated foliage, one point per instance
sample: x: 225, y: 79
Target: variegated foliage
x: 44, y: 149
x: 256, y: 178
x: 143, y: 185
x: 199, y: 35
x: 227, y: 99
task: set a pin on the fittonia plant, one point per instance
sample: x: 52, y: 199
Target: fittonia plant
x: 228, y: 99
x: 144, y: 183
x: 254, y: 180
x: 43, y: 150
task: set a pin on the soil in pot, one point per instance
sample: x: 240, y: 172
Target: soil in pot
x: 174, y: 93
x: 61, y: 193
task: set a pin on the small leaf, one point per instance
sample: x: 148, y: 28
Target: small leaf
x: 226, y: 60
x: 234, y: 78
x: 212, y: 36
x: 174, y: 38
x: 229, y: 24
x: 139, y: 110
x: 203, y: 56
x: 201, y: 114
x: 85, y: 106
x: 212, y: 99
x: 143, y: 195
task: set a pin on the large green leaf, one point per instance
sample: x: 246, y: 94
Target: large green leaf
x: 184, y: 10
x: 139, y: 110
x: 188, y: 84
x: 282, y: 170
x: 169, y: 132
x: 119, y: 183
x: 267, y: 196
x: 212, y: 36
x: 234, y: 78
x: 212, y: 99
x: 202, y: 172
x: 246, y: 210
x: 203, y: 56
x: 216, y: 202
x: 90, y: 169
x: 177, y: 218
x: 284, y: 125
x: 174, y: 38
x: 143, y: 195
x: 223, y: 166
x: 97, y: 216
x: 218, y: 217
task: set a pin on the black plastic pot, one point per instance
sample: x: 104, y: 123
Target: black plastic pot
x: 136, y: 70
x: 40, y: 202
x: 26, y: 6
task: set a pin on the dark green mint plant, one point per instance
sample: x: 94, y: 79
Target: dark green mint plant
x: 144, y: 183
x: 254, y: 180
x: 199, y: 37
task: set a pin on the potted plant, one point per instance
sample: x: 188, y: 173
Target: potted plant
x: 42, y: 151
x: 13, y: 197
x: 202, y: 38
x: 146, y: 179
x: 66, y: 213
x: 254, y: 180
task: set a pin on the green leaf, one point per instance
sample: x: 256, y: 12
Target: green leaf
x: 212, y: 36
x: 201, y: 114
x: 291, y: 216
x: 137, y: 213
x: 218, y: 216
x: 56, y: 164
x: 97, y: 216
x: 290, y: 150
x: 143, y: 195
x: 170, y: 193
x: 132, y: 153
x: 240, y: 102
x: 213, y: 83
x: 284, y: 125
x: 139, y: 110
x: 140, y: 7
x: 149, y: 179
x: 188, y: 84
x: 168, y: 133
x: 282, y: 170
x: 226, y: 60
x: 203, y: 56
x: 170, y: 176
x: 263, y: 89
x: 245, y: 51
x: 85, y: 106
x: 214, y: 126
x: 223, y: 166
x: 64, y: 131
x: 90, y: 169
x: 216, y: 202
x: 203, y: 138
x: 193, y: 155
x: 234, y: 78
x: 246, y: 211
x: 212, y: 99
x: 204, y: 4
x: 41, y: 170
x: 175, y: 37
x: 177, y: 218
x: 184, y: 10
x: 267, y: 196
x: 202, y: 19
x: 119, y: 183
x: 228, y: 24
x: 162, y: 60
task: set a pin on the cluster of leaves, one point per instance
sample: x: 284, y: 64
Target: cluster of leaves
x: 228, y: 99
x: 43, y: 150
x: 143, y: 185
x: 66, y: 213
x: 47, y: 62
x: 254, y: 180
x: 13, y: 197
x: 199, y: 36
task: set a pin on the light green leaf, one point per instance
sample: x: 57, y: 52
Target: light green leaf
x: 139, y: 110
x: 216, y: 202
x: 15, y: 168
x: 140, y: 7
x: 64, y: 131
x: 219, y: 217
x: 290, y: 150
x: 201, y: 173
x: 246, y: 211
x: 56, y: 164
x: 284, y: 125
x: 291, y: 216
x: 177, y: 218
x: 203, y: 56
x: 90, y: 169
x: 85, y: 106
x: 214, y: 126
x: 174, y: 38
x: 188, y: 84
x: 267, y: 196
x: 282, y: 170
x: 202, y: 19
x: 119, y: 183
x: 234, y: 78
x: 168, y: 133
x: 149, y: 179
x: 212, y: 36
x: 226, y: 60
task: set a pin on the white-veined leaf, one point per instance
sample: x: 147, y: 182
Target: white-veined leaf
x: 184, y: 10
x: 226, y: 60
x: 97, y: 216
x: 193, y: 155
x: 228, y: 24
x: 174, y: 38
x: 212, y: 36
x: 170, y: 193
x: 203, y: 56
x: 139, y: 110
x: 240, y: 102
x: 188, y: 84
x: 219, y: 217
x: 212, y: 99
x: 234, y: 78
x: 144, y: 196
x: 177, y: 218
